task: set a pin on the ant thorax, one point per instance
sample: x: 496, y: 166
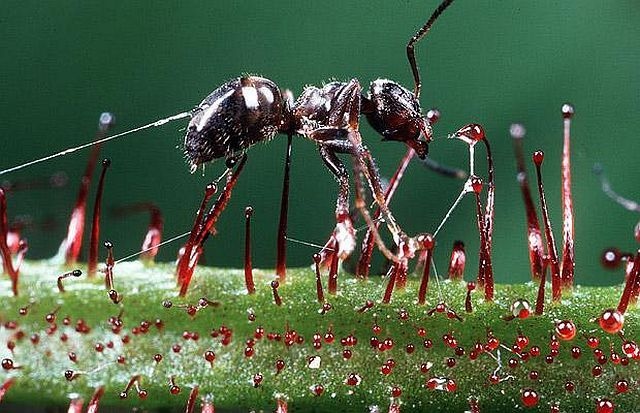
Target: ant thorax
x: 314, y: 106
x: 392, y: 110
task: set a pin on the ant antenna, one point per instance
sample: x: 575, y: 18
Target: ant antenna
x: 67, y: 151
x: 416, y: 38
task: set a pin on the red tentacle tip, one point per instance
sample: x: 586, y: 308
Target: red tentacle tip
x: 567, y: 111
x: 538, y: 157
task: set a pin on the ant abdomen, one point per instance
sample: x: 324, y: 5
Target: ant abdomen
x: 395, y: 113
x: 238, y: 114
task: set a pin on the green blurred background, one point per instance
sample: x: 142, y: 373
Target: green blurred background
x: 490, y: 62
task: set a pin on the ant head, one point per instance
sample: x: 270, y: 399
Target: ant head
x: 395, y: 113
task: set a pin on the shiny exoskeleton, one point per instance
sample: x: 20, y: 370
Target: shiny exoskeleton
x: 248, y: 110
x: 252, y: 109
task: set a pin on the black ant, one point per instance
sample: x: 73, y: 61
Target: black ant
x: 252, y: 109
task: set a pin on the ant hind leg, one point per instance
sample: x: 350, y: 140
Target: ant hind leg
x: 342, y: 241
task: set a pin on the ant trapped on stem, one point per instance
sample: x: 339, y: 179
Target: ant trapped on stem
x: 252, y: 109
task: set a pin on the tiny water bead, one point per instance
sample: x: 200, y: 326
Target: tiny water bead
x: 611, y: 321
x: 566, y: 330
x: 605, y: 406
x: 521, y: 309
x: 529, y: 397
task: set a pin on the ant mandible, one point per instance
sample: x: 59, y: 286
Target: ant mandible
x: 252, y: 109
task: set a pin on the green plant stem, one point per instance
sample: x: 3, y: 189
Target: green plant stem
x: 229, y: 379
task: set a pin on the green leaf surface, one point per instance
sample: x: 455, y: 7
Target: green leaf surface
x: 229, y: 380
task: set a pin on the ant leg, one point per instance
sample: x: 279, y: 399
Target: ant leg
x: 364, y: 262
x: 364, y: 163
x: 281, y: 254
x: 360, y: 203
x: 416, y: 38
x: 344, y: 233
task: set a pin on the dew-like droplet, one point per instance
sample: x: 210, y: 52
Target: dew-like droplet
x: 566, y: 330
x: 604, y: 406
x: 611, y: 321
x: 521, y: 309
x: 529, y: 397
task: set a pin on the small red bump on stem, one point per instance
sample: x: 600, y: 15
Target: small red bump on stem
x: 473, y: 405
x: 622, y: 386
x: 210, y: 356
x: 353, y: 379
x: 320, y: 292
x: 74, y: 273
x: 248, y: 268
x: 566, y: 330
x: 604, y: 406
x: 367, y: 306
x: 317, y: 389
x: 568, y: 249
x: 538, y: 158
x: 173, y: 388
x: 457, y: 261
x: 92, y: 263
x: 51, y: 317
x: 530, y: 397
x: 281, y: 260
x: 276, y: 296
x: 257, y: 380
x: 611, y: 321
x: 8, y: 364
x: 632, y: 283
x: 433, y: 115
